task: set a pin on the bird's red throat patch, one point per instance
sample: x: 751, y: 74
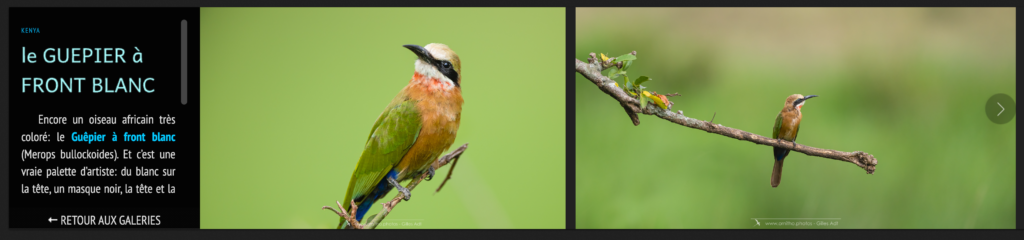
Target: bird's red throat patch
x: 433, y: 84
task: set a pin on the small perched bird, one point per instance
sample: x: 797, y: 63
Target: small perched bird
x: 417, y: 127
x: 787, y: 125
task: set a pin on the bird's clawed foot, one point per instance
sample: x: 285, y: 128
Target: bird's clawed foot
x: 430, y: 173
x: 405, y: 191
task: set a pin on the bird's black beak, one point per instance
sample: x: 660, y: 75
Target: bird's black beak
x: 422, y: 53
x: 809, y: 97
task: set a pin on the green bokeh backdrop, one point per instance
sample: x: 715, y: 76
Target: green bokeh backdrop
x: 906, y: 85
x: 289, y: 96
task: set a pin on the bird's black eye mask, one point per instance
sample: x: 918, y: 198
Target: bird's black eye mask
x: 448, y: 70
x: 799, y: 101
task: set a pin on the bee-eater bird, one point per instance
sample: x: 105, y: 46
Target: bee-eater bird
x: 787, y: 125
x: 416, y: 128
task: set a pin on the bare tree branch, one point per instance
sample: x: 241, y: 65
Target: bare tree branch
x: 592, y: 71
x: 454, y: 158
x: 388, y: 206
x: 344, y: 215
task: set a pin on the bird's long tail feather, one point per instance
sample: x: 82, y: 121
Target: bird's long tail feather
x: 777, y: 173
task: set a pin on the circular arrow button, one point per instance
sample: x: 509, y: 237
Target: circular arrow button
x: 1000, y: 108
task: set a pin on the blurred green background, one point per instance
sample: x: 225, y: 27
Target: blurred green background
x: 289, y: 96
x: 907, y: 85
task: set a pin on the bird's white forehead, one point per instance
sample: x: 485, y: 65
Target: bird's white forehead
x: 438, y: 50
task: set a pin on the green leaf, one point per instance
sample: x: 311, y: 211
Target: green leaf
x: 643, y: 101
x: 611, y: 73
x: 642, y: 79
x: 629, y: 86
x: 625, y: 57
x: 626, y: 65
x: 620, y: 73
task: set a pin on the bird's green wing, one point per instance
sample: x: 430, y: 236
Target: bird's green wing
x: 391, y: 137
x: 778, y: 126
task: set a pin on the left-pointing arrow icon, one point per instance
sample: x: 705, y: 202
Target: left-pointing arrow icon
x: 52, y: 219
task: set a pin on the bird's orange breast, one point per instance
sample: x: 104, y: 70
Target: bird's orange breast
x: 440, y: 110
x: 790, y: 124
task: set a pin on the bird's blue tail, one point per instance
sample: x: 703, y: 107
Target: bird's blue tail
x: 780, y: 153
x: 382, y: 189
